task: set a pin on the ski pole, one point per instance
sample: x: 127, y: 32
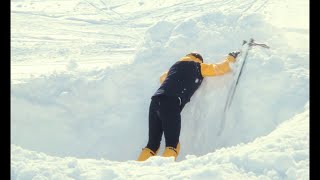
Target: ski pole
x: 233, y: 90
x: 235, y: 83
x: 251, y: 43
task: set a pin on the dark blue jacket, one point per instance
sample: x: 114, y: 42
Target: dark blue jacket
x: 186, y: 75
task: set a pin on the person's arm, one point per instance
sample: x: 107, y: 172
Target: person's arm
x: 163, y: 77
x: 219, y: 68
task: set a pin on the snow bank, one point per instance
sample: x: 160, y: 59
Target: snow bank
x: 282, y: 154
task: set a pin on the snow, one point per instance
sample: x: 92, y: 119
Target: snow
x: 282, y: 154
x: 83, y: 72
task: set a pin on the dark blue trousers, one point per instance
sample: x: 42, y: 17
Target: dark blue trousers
x: 164, y: 117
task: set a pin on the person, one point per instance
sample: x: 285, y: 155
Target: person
x: 177, y: 86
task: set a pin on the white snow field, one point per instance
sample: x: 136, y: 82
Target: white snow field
x: 83, y: 73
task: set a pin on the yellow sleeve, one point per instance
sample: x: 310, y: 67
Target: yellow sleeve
x: 163, y: 77
x: 217, y: 69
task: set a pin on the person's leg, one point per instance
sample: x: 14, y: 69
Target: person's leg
x: 171, y: 124
x: 155, y: 126
x: 155, y: 132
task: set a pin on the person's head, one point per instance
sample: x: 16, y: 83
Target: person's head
x: 196, y: 55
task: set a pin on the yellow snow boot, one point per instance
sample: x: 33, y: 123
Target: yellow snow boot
x: 171, y: 151
x: 146, y: 153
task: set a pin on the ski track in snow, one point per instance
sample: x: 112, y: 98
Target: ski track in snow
x: 103, y: 31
